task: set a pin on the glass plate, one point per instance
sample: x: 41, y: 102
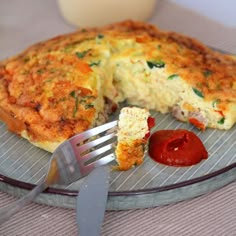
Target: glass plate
x: 151, y: 184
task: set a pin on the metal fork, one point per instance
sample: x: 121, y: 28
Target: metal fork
x: 72, y: 160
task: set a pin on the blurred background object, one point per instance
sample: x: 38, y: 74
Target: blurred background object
x: 85, y: 13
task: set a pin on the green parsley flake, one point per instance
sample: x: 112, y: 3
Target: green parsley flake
x: 88, y: 106
x: 157, y: 64
x: 40, y: 71
x: 73, y: 94
x: 82, y: 54
x: 76, y: 106
x: 174, y: 76
x: 221, y: 121
x: 198, y: 93
x: 94, y: 63
x: 100, y: 36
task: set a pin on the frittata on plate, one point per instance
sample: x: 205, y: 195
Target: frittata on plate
x: 65, y: 85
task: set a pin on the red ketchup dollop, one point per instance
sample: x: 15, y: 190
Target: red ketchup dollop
x: 151, y: 124
x: 176, y: 148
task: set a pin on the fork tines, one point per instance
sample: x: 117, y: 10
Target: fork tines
x: 92, y: 149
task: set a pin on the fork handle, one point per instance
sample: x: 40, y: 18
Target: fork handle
x: 7, y: 212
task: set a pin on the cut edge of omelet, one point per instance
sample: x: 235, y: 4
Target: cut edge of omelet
x: 132, y: 133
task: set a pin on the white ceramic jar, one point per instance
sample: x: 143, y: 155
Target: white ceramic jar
x: 85, y: 13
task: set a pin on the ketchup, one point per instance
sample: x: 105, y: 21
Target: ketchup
x: 176, y: 148
x: 151, y: 124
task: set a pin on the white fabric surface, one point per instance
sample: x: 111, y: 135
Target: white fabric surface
x: 24, y: 22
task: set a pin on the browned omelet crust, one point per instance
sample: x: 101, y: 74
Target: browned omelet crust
x: 47, y: 95
x: 130, y: 154
x: 56, y: 88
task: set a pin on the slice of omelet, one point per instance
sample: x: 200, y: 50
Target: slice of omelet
x: 70, y: 83
x: 132, y: 136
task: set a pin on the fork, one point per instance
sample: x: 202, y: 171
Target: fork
x: 72, y: 160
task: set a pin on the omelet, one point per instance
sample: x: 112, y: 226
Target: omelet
x: 132, y: 135
x: 67, y: 84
